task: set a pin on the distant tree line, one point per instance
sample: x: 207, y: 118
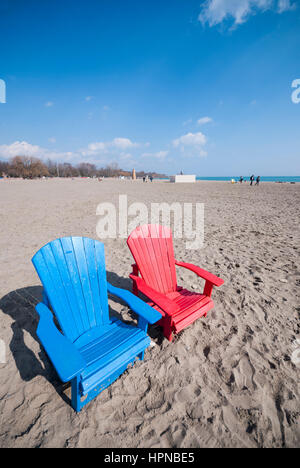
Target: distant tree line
x: 28, y: 167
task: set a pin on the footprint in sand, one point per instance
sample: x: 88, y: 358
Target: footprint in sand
x: 295, y: 357
x: 243, y: 374
x: 2, y: 352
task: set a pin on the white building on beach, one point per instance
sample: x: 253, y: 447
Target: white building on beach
x: 183, y: 179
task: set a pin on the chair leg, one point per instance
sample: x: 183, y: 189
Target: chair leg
x: 135, y: 290
x: 135, y: 272
x: 76, y: 403
x: 168, y: 328
x: 143, y: 325
x: 208, y: 289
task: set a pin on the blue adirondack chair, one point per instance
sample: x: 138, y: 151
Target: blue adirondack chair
x: 92, y: 349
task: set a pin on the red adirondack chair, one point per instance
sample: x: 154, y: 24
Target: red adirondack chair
x: 152, y: 249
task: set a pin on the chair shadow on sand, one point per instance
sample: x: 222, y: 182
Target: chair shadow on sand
x: 154, y: 331
x: 20, y: 306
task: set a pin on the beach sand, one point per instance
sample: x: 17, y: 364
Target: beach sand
x: 230, y: 380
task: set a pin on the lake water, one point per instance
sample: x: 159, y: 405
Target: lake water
x: 286, y: 179
x: 262, y: 178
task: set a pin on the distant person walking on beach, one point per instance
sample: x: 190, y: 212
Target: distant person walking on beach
x: 241, y: 179
x: 257, y: 180
x: 251, y: 180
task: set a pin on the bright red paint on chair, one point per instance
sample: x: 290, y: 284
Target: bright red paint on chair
x: 152, y: 249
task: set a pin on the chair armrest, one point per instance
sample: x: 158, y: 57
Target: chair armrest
x: 135, y: 269
x: 167, y: 306
x: 215, y: 280
x: 66, y: 359
x: 137, y: 305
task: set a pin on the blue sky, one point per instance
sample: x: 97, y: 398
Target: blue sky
x: 199, y: 86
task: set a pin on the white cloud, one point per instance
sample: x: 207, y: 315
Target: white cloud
x: 49, y: 104
x: 121, y: 150
x: 187, y: 122
x: 214, y: 12
x: 106, y: 108
x: 88, y: 98
x: 159, y: 155
x: 98, y: 153
x: 126, y: 157
x: 285, y: 5
x: 97, y: 147
x: 123, y: 143
x: 192, y: 144
x: 119, y: 144
x: 204, y: 120
x: 19, y: 148
x: 23, y: 148
x: 190, y: 139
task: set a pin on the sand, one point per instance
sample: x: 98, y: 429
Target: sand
x: 230, y: 380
